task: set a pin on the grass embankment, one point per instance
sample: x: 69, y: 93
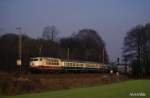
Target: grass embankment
x: 35, y: 83
x: 115, y: 90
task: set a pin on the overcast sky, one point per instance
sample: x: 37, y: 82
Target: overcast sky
x: 111, y: 18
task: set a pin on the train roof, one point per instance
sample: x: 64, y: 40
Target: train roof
x: 44, y: 57
x: 81, y: 61
x: 91, y: 62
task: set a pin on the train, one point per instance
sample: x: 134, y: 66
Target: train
x: 49, y: 64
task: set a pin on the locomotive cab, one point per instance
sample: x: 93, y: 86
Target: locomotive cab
x: 38, y: 61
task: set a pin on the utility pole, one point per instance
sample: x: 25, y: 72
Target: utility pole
x: 118, y: 60
x: 40, y: 51
x: 19, y: 60
x: 67, y: 53
x: 103, y: 55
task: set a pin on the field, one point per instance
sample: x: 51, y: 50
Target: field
x: 115, y: 90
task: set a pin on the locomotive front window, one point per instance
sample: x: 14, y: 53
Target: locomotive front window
x: 35, y: 59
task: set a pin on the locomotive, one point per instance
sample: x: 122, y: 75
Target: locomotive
x: 48, y: 64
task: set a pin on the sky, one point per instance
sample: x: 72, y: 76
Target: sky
x: 110, y: 18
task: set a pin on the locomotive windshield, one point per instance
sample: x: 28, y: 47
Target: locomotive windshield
x: 34, y: 59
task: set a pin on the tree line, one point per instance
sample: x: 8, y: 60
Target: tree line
x: 136, y: 50
x: 85, y: 45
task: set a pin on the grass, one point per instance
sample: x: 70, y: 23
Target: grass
x: 116, y: 90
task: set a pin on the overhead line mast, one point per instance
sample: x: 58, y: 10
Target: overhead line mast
x: 19, y: 61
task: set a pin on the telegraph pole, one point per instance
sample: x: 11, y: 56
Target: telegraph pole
x: 19, y: 60
x: 68, y: 53
x: 40, y: 51
x: 103, y: 55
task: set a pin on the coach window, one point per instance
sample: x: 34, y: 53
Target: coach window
x: 81, y: 65
x: 50, y: 61
x: 35, y: 59
x: 71, y: 64
x: 56, y: 63
x: 76, y: 65
x: 53, y: 61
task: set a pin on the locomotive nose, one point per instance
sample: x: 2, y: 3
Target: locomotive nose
x: 31, y: 64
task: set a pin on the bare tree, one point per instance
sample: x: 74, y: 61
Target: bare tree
x: 136, y: 49
x: 86, y: 44
x: 50, y: 33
